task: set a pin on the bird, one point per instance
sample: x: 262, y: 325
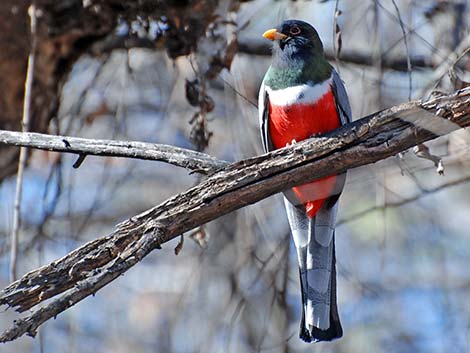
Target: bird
x: 303, y: 96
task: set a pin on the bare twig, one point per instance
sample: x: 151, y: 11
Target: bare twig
x: 181, y: 157
x: 386, y: 205
x: 448, y: 64
x: 408, y: 57
x: 422, y: 151
x: 258, y: 47
x: 394, y: 17
x: 179, y: 246
x: 337, y: 35
x: 89, y: 268
x: 23, y: 152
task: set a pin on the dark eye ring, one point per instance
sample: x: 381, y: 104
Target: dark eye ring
x: 294, y: 30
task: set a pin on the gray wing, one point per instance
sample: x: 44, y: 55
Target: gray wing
x: 344, y: 110
x: 263, y: 111
x: 342, y: 100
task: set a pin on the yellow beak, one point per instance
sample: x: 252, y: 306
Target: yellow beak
x: 273, y: 34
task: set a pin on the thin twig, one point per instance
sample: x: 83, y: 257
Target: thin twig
x: 377, y: 47
x: 335, y: 37
x: 23, y: 152
x: 408, y: 56
x: 436, y: 50
x: 422, y: 151
x: 395, y: 204
x: 229, y: 85
x: 443, y: 68
x: 398, y: 63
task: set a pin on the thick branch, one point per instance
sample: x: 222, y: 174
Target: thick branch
x: 181, y: 157
x: 97, y: 263
x: 263, y: 48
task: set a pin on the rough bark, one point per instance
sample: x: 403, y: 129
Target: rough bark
x: 89, y: 268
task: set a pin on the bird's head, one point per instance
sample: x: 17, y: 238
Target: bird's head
x: 294, y: 37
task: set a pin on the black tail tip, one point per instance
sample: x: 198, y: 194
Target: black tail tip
x: 317, y: 335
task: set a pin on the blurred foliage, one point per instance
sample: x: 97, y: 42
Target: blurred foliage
x: 403, y: 229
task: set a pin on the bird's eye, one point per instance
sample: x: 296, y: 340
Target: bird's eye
x: 294, y: 30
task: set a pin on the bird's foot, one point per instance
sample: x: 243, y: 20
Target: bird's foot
x: 293, y: 142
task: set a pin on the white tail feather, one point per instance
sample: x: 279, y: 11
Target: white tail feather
x: 314, y: 241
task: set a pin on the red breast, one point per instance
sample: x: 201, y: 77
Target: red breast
x: 298, y: 122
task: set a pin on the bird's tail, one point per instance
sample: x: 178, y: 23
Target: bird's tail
x: 314, y: 240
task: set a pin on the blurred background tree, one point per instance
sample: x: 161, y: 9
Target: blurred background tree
x: 187, y: 73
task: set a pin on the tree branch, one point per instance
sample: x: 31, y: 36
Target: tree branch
x: 181, y: 157
x: 28, y: 89
x: 95, y: 264
x: 255, y: 47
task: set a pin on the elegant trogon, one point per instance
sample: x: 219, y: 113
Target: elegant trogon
x: 302, y: 96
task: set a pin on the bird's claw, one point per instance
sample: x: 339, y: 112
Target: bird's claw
x: 293, y: 142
